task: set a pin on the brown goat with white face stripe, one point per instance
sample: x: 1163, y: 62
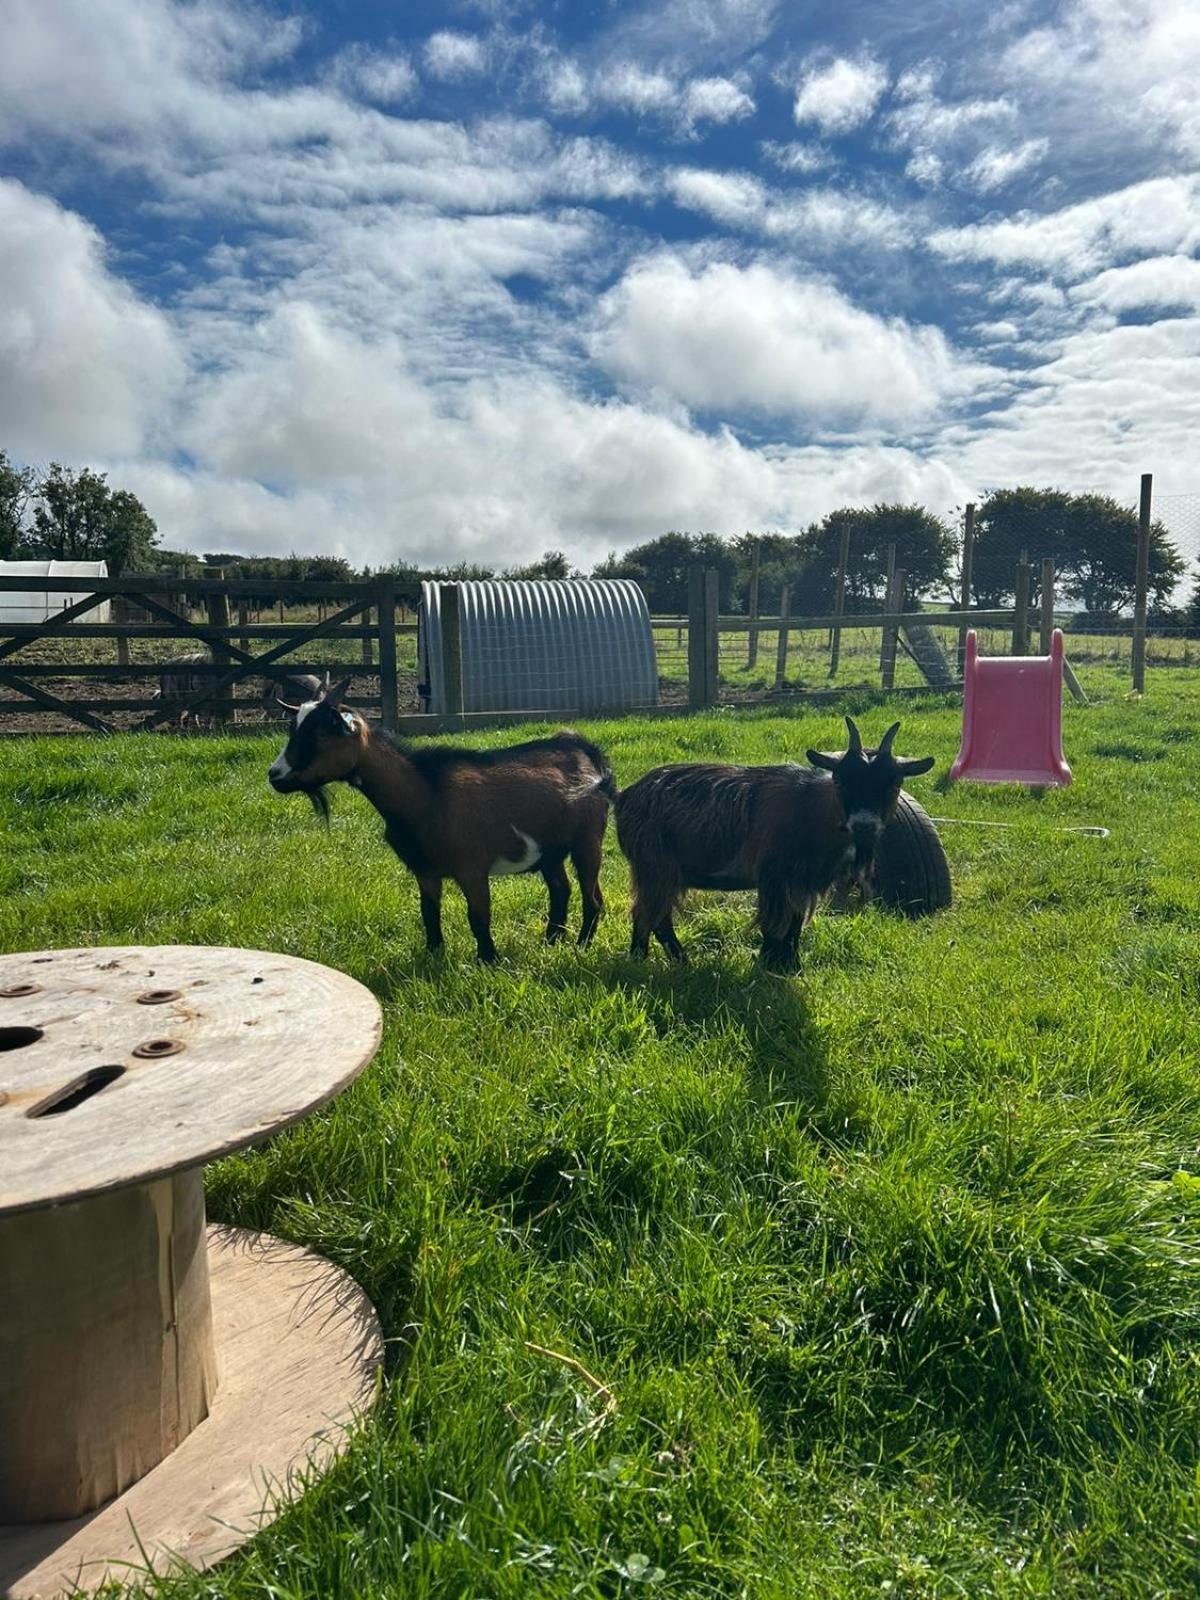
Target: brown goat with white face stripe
x: 789, y: 832
x: 470, y: 815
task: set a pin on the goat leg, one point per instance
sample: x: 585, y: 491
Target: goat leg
x: 558, y: 886
x: 431, y: 911
x: 478, y: 895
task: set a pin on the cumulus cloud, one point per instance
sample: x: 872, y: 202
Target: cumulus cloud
x: 797, y: 156
x: 453, y: 56
x: 715, y: 100
x: 734, y: 339
x: 841, y: 96
x: 85, y: 366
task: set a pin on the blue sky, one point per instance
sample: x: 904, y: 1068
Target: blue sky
x: 473, y: 280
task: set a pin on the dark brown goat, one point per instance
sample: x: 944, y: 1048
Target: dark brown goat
x: 790, y: 832
x: 470, y: 815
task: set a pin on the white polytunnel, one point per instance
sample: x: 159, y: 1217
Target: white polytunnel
x: 66, y: 585
x: 577, y: 645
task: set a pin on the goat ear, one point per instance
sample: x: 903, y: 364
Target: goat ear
x: 335, y: 695
x: 913, y: 769
x: 818, y: 758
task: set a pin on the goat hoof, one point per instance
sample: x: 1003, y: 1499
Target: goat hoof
x: 555, y: 935
x: 489, y: 957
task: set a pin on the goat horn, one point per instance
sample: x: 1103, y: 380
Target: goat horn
x: 281, y: 702
x: 885, y: 744
x: 856, y: 744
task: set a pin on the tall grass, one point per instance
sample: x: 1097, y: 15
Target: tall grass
x: 887, y: 1276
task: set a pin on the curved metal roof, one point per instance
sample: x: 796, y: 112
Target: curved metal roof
x: 576, y: 645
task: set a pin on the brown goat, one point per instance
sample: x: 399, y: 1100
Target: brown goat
x: 790, y: 832
x: 470, y: 815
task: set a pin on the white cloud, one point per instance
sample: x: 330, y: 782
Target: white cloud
x: 1134, y: 63
x: 1157, y: 216
x: 1161, y: 281
x: 387, y: 78
x: 731, y: 339
x: 629, y: 86
x: 840, y: 96
x: 820, y: 220
x: 996, y: 166
x: 452, y: 56
x: 715, y: 100
x: 85, y: 366
x: 796, y: 156
x: 926, y: 168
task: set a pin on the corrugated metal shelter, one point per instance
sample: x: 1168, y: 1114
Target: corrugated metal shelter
x: 577, y: 645
x: 66, y: 583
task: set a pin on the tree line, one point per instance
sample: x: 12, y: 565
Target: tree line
x: 68, y: 514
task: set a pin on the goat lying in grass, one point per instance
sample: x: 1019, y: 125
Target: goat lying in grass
x: 790, y: 832
x: 470, y: 815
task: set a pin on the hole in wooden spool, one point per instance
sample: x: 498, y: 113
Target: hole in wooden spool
x: 75, y: 1093
x: 18, y: 991
x: 157, y: 997
x: 18, y: 1038
x: 153, y: 1049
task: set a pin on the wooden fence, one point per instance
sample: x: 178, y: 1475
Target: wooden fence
x: 367, y: 612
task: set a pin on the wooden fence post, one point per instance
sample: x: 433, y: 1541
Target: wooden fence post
x: 385, y: 612
x: 368, y: 658
x: 1142, y: 580
x: 894, y: 602
x: 1047, y: 598
x: 244, y: 622
x: 452, y: 684
x: 839, y: 601
x: 968, y: 562
x: 887, y: 606
x: 696, y: 642
x: 121, y: 613
x: 712, y: 637
x: 1020, y: 633
x: 752, y: 645
x: 781, y: 646
x: 217, y: 606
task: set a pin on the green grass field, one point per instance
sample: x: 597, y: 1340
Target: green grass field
x: 892, y: 1269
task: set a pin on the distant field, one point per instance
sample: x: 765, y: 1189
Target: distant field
x: 893, y: 1269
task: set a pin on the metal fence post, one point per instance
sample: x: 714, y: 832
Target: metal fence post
x: 1142, y: 583
x: 385, y: 611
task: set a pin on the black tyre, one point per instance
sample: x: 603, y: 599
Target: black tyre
x: 912, y: 874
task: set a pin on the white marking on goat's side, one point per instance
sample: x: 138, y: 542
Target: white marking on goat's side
x: 530, y: 857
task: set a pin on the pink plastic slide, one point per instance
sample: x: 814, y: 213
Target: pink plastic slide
x: 1012, y: 719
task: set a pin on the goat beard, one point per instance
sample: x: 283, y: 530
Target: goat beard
x: 319, y: 800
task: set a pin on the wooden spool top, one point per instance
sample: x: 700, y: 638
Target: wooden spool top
x: 121, y: 1065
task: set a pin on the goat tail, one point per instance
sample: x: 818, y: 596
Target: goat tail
x: 607, y: 785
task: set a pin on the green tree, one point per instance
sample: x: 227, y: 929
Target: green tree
x: 77, y: 517
x: 16, y: 493
x: 553, y: 565
x: 661, y: 567
x: 1091, y: 538
x: 925, y: 549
